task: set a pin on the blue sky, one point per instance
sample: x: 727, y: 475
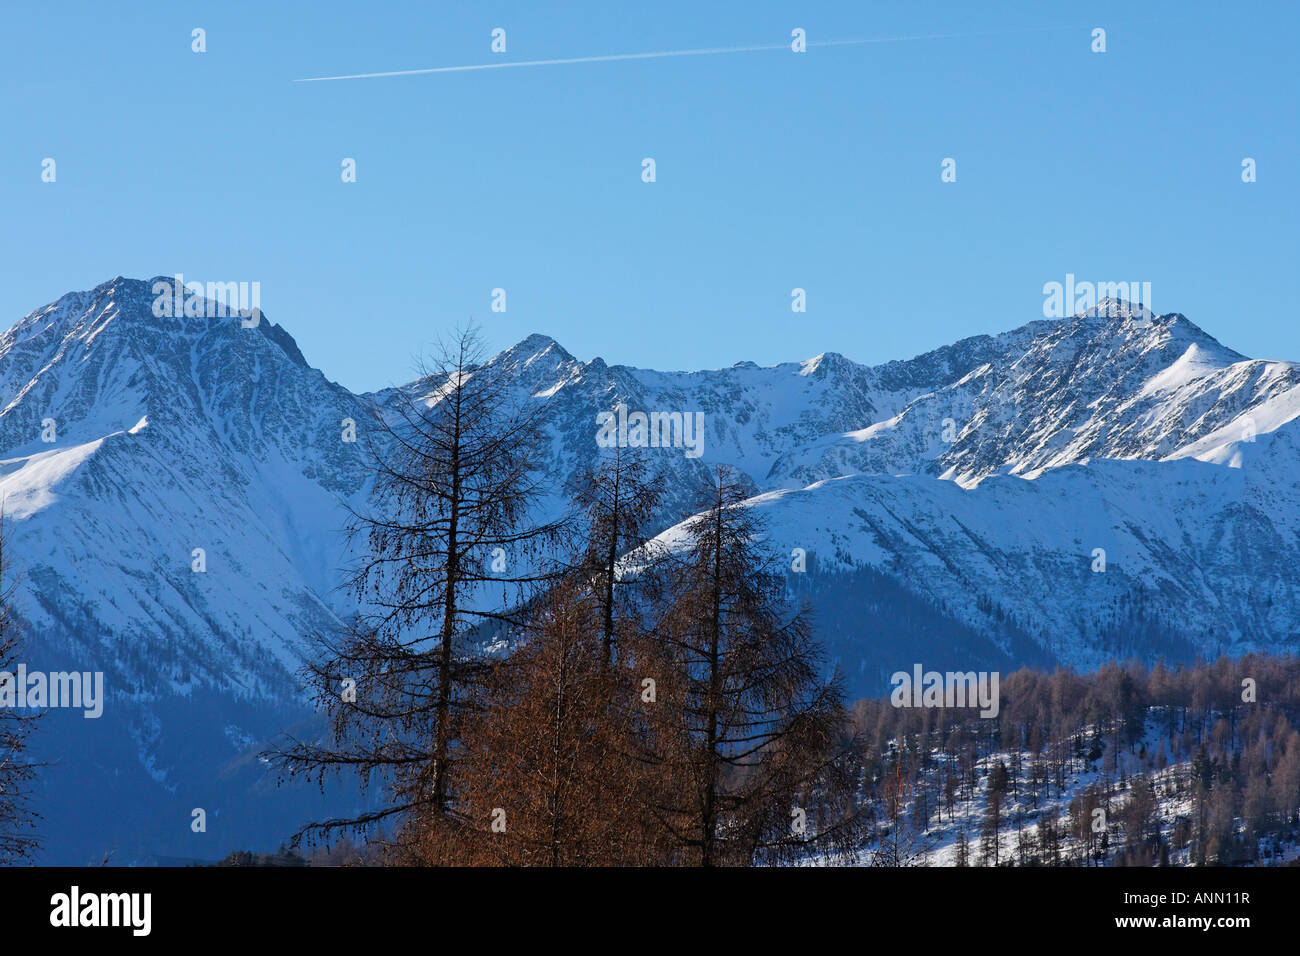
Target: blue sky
x: 774, y: 170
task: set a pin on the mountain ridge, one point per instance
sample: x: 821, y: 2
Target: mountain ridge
x: 949, y: 503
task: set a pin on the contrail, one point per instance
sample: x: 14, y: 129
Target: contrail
x: 708, y: 51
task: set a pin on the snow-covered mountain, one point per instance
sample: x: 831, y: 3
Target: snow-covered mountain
x: 951, y: 506
x: 137, y: 449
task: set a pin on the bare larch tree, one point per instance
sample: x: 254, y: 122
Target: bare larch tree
x: 451, y: 554
x: 749, y: 732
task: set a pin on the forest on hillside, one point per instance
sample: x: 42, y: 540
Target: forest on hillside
x: 572, y: 691
x: 659, y: 703
x: 1129, y: 765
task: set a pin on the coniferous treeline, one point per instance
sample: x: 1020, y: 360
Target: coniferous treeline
x: 1216, y: 744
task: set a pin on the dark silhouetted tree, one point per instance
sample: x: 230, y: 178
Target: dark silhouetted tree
x: 748, y: 733
x: 451, y: 554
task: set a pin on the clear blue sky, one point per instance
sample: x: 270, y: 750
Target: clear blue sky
x: 775, y: 170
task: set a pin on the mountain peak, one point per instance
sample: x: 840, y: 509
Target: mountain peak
x: 535, y: 342
x: 826, y: 362
x: 1140, y: 324
x: 139, y: 298
x: 533, y: 347
x: 1114, y: 308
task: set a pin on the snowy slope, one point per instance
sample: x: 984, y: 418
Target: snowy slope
x: 951, y: 504
x: 170, y: 435
x: 1199, y: 555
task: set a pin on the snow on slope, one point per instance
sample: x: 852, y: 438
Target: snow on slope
x: 28, y: 483
x: 173, y: 434
x: 1211, y: 552
x: 169, y: 435
x: 1088, y: 387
